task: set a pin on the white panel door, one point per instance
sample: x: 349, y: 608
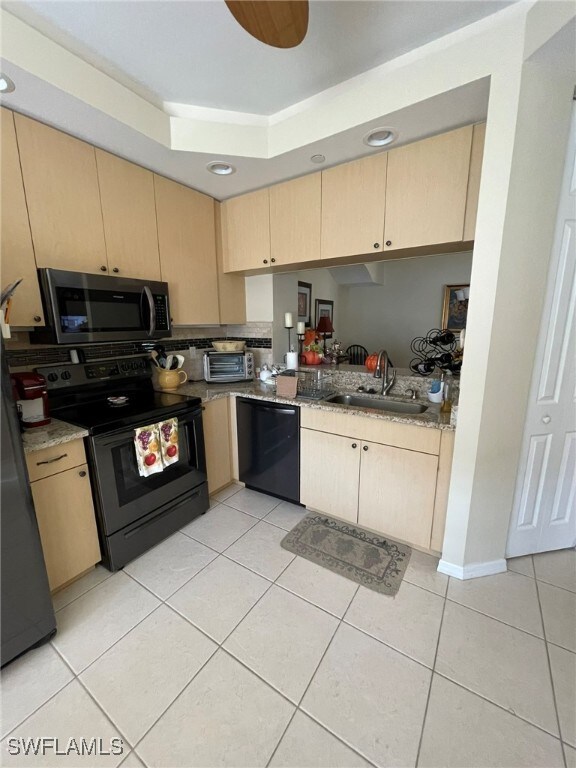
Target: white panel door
x: 544, y: 515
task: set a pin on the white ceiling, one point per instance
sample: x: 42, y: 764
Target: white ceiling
x: 196, y: 53
x: 192, y: 52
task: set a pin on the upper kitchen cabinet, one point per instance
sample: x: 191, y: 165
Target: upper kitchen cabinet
x: 246, y: 231
x: 295, y: 219
x: 474, y: 180
x: 353, y: 205
x: 16, y: 251
x: 61, y: 185
x: 426, y: 191
x: 231, y: 288
x: 187, y: 252
x: 129, y: 214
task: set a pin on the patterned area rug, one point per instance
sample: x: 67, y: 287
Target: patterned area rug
x: 363, y: 557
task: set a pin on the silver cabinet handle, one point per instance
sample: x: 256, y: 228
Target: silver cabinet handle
x: 148, y: 294
x: 51, y: 461
x: 546, y: 419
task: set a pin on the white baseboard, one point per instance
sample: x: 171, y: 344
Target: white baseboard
x: 473, y: 570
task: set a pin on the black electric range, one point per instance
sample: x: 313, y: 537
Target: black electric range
x: 110, y: 399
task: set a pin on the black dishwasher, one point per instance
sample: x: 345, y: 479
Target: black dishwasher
x: 269, y: 447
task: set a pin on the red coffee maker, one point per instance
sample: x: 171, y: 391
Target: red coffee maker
x: 31, y: 395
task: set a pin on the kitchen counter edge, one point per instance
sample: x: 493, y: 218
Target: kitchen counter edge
x: 56, y: 433
x: 432, y: 418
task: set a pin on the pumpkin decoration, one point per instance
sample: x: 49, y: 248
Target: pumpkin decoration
x: 370, y: 363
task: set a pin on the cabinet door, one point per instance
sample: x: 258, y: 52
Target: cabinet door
x: 397, y: 490
x: 129, y: 214
x: 329, y: 471
x: 231, y: 288
x: 353, y: 204
x: 187, y: 252
x: 246, y: 231
x: 65, y: 514
x: 295, y: 217
x: 216, y: 422
x: 426, y: 190
x: 477, y: 154
x: 16, y: 249
x: 61, y: 184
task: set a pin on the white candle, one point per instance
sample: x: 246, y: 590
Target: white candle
x: 301, y: 329
x: 288, y: 320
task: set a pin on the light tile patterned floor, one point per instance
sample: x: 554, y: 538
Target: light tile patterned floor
x: 219, y: 648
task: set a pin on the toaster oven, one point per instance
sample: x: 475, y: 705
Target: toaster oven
x: 228, y: 366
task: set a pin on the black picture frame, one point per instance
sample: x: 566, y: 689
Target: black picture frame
x: 305, y: 303
x: 324, y: 307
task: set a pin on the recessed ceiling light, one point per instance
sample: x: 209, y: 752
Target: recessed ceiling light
x: 380, y: 137
x: 6, y: 85
x: 317, y: 158
x: 221, y: 169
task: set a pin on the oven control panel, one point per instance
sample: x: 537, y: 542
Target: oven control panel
x: 76, y: 375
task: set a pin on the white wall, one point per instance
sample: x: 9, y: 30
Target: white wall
x: 286, y: 300
x: 408, y: 304
x: 259, y: 299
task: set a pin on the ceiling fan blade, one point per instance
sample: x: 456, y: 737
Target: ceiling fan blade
x: 280, y: 23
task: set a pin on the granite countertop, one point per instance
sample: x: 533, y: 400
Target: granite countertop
x: 255, y: 389
x: 55, y: 433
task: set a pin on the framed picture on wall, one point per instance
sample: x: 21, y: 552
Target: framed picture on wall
x: 455, y: 307
x: 324, y: 308
x: 304, y: 303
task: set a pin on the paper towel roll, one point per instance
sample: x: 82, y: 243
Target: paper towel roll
x: 292, y: 361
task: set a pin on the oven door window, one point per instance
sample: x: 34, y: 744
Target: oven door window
x: 82, y: 310
x: 124, y: 496
x: 226, y: 364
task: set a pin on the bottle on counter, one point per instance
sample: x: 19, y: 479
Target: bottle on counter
x: 448, y: 392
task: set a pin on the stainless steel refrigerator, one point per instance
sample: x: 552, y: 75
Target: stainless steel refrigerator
x: 26, y: 606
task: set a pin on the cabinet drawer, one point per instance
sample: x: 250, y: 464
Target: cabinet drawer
x: 58, y: 458
x: 423, y: 439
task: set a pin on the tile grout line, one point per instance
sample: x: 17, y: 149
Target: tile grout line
x: 499, y: 706
x: 94, y: 586
x: 551, y: 676
x: 431, y: 677
x: 489, y: 616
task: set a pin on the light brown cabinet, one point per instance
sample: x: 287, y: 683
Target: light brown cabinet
x: 246, y: 232
x: 231, y: 287
x: 329, y: 473
x: 295, y: 220
x: 353, y: 207
x: 129, y: 215
x: 396, y: 492
x: 389, y: 477
x: 216, y: 423
x: 61, y: 185
x: 186, y: 237
x: 478, y: 138
x: 65, y: 512
x: 16, y: 251
x: 426, y: 191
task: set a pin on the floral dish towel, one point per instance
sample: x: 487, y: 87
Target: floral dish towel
x: 148, y: 453
x: 169, y: 447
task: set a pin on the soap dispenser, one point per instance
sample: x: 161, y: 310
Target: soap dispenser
x: 448, y: 392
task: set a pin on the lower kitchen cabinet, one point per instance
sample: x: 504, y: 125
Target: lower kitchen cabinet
x: 216, y: 423
x: 396, y: 492
x: 329, y: 473
x: 65, y: 514
x: 395, y: 483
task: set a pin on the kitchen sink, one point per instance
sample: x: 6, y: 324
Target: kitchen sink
x: 393, y: 406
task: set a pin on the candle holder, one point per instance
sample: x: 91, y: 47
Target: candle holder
x: 289, y: 328
x: 300, y: 345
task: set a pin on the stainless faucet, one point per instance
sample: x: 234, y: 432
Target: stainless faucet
x: 387, y: 383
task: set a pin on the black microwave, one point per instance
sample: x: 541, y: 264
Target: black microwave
x: 80, y: 308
